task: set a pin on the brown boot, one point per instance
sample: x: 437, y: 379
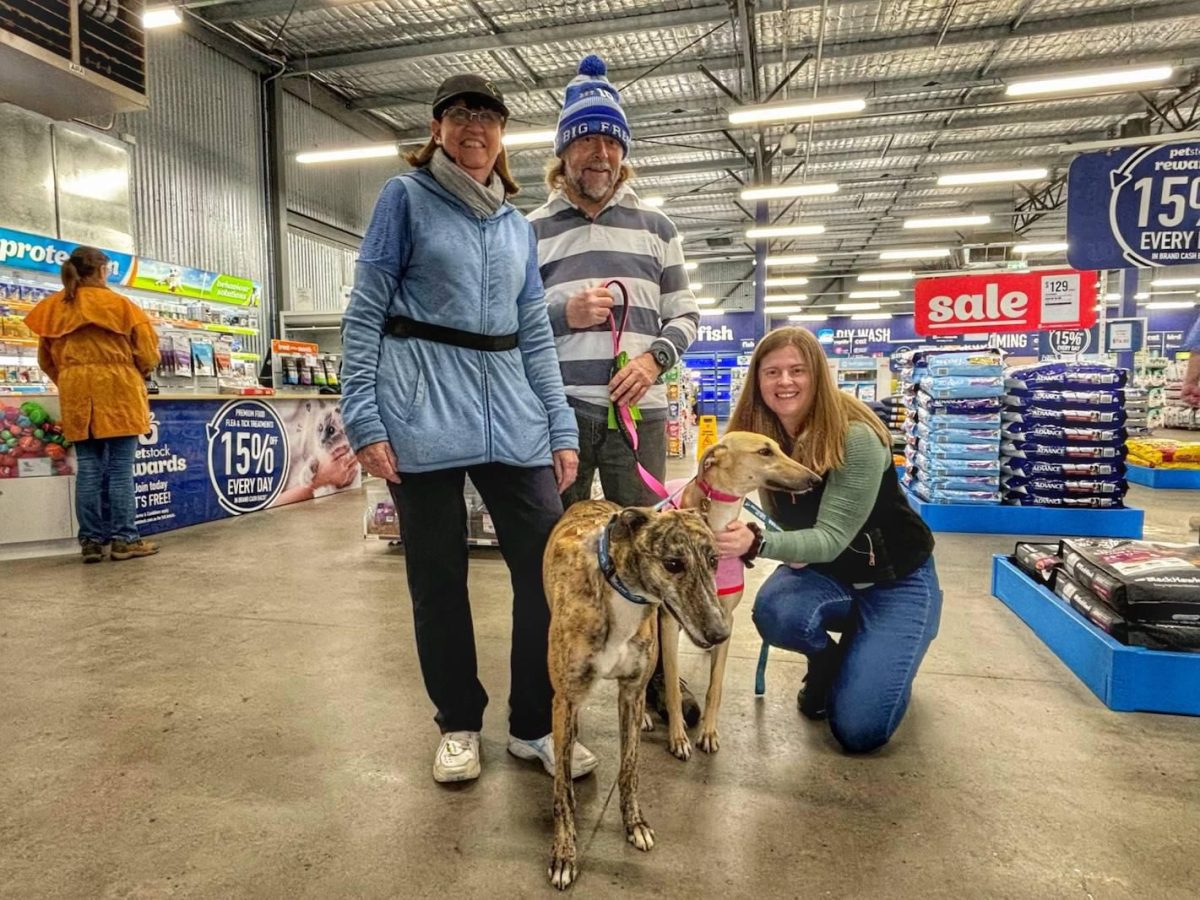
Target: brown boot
x: 129, y: 549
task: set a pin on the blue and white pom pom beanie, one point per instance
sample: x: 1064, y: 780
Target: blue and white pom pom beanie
x: 591, y: 106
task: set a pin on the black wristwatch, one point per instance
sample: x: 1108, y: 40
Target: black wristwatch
x: 662, y: 356
x: 756, y: 548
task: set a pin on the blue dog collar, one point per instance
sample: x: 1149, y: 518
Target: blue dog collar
x: 609, y: 568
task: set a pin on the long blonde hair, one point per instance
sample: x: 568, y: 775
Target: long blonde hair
x: 821, y: 443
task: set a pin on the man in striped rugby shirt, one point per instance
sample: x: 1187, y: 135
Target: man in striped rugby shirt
x: 593, y: 229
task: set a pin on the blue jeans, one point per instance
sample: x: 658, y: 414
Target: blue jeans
x: 886, y: 629
x: 104, y: 489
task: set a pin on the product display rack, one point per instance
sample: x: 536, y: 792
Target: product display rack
x: 179, y: 319
x: 868, y: 378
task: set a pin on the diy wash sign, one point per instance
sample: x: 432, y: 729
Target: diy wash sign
x: 1005, y: 302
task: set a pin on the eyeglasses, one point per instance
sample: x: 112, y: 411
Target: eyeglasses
x: 460, y: 115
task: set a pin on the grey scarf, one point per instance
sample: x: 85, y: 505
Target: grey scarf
x: 483, y: 199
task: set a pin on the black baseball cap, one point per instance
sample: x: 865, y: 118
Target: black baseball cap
x: 468, y: 86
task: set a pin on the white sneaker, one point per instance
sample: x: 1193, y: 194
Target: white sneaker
x: 583, y: 760
x: 457, y: 757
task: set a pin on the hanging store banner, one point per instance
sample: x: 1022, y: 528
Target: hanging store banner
x: 1134, y: 207
x: 1005, y: 302
x: 211, y: 459
x: 20, y: 250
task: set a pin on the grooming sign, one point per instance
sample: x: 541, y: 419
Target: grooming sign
x: 1136, y: 206
x: 1005, y: 302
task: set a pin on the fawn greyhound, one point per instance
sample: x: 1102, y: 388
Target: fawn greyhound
x: 740, y: 463
x: 608, y: 571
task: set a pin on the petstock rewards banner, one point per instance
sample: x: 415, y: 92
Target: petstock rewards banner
x: 1134, y: 207
x: 210, y: 459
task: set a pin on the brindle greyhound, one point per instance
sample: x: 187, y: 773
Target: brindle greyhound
x: 742, y: 462
x: 608, y: 571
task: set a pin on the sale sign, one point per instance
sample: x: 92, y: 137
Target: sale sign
x: 1135, y: 207
x: 1005, y: 302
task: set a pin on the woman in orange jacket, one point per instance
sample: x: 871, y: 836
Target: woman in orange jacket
x: 97, y: 347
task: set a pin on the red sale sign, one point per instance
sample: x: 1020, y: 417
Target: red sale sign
x: 1007, y: 301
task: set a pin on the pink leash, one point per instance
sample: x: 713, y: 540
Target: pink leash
x: 625, y: 421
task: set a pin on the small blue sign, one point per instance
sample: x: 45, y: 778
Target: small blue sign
x: 1124, y: 335
x: 1134, y: 207
x: 20, y: 250
x: 1068, y: 342
x: 247, y: 456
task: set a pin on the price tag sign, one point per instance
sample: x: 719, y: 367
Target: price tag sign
x: 1135, y: 207
x: 247, y: 456
x: 1060, y: 299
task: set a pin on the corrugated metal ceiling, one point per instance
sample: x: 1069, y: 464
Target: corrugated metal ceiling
x: 936, y: 69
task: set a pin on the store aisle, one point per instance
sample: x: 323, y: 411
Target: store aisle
x: 243, y: 716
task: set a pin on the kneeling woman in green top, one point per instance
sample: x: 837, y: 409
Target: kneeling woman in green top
x: 859, y: 560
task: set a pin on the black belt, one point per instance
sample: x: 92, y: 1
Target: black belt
x: 404, y: 327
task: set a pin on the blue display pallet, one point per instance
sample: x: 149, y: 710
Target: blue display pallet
x: 1172, y: 479
x: 995, y: 519
x: 1126, y: 679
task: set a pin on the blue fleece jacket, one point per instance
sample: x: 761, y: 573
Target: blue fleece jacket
x: 427, y: 256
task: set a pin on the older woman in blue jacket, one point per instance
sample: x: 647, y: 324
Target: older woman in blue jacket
x: 450, y: 370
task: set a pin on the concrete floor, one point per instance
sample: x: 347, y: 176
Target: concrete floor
x: 243, y: 716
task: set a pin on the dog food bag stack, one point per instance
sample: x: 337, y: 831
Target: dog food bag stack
x: 1137, y: 410
x: 1142, y: 593
x: 953, y: 452
x: 1163, y: 453
x: 1064, y: 436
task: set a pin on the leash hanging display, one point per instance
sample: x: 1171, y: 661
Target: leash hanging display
x: 626, y: 424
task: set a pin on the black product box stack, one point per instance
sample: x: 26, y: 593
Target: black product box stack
x: 1142, y: 593
x: 1064, y: 436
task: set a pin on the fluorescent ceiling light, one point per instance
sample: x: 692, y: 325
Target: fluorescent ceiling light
x: 712, y: 312
x: 161, y: 17
x: 695, y: 285
x: 947, y: 221
x: 783, y: 310
x: 801, y: 260
x: 785, y: 298
x: 527, y: 138
x: 864, y: 316
x: 1169, y: 293
x: 810, y: 317
x: 691, y: 266
x: 1050, y: 247
x: 778, y: 231
x: 786, y: 191
x: 886, y: 276
x: 916, y: 253
x: 790, y: 112
x: 655, y: 202
x: 873, y: 295
x: 1171, y: 304
x: 1142, y: 295
x: 789, y: 281
x: 367, y: 151
x: 1089, y: 81
x: 706, y: 301
x: 855, y: 307
x: 1173, y: 282
x: 960, y: 178
x: 1112, y: 296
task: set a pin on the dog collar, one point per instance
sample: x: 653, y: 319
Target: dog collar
x: 609, y: 568
x: 713, y: 494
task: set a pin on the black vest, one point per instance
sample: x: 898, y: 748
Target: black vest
x: 893, y: 534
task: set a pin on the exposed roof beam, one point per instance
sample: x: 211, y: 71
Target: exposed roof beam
x: 247, y: 10
x: 1063, y: 24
